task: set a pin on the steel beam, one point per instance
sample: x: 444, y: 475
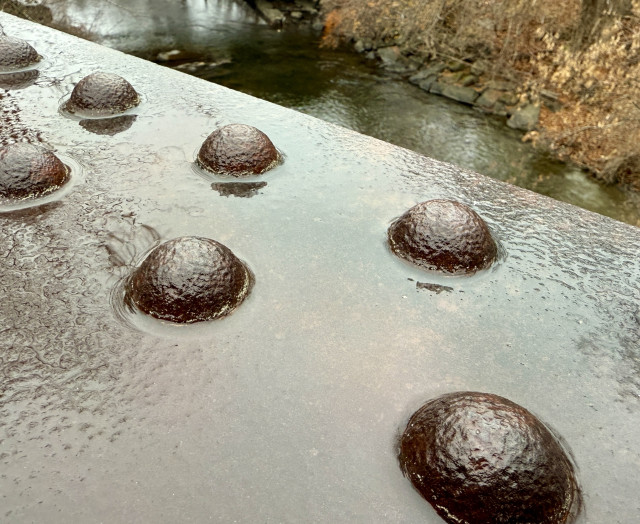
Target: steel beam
x: 289, y: 409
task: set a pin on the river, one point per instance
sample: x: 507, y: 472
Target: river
x: 224, y: 41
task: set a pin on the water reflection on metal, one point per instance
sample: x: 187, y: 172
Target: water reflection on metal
x: 19, y: 80
x: 238, y: 189
x: 288, y: 409
x: 108, y: 126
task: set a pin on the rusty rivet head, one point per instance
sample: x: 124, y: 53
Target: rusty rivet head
x: 238, y: 150
x: 16, y: 53
x: 477, y: 457
x: 189, y: 279
x: 29, y: 171
x: 443, y: 235
x: 102, y: 94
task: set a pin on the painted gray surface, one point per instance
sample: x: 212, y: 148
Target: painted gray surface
x: 289, y: 409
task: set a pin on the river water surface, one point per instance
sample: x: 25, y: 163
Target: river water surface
x: 223, y: 41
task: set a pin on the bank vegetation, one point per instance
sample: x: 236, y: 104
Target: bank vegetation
x: 578, y: 59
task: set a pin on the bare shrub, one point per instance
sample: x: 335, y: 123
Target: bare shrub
x: 460, y: 28
x: 600, y: 88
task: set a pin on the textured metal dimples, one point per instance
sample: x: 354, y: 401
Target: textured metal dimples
x: 443, y: 235
x: 29, y: 171
x: 238, y: 150
x: 478, y: 457
x: 189, y: 279
x: 16, y: 53
x: 102, y: 94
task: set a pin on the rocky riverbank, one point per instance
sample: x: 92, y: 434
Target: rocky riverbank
x: 41, y: 13
x: 458, y: 80
x: 277, y: 13
x: 567, y: 74
x: 468, y: 84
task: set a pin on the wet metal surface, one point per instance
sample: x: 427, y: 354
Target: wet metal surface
x: 288, y: 410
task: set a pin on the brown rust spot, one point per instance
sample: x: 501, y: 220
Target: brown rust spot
x: 102, y: 94
x: 189, y: 279
x: 29, y: 171
x: 478, y: 457
x: 238, y: 150
x: 443, y: 235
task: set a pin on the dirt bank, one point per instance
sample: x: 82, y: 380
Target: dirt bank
x: 567, y: 73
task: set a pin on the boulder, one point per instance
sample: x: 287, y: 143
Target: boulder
x: 307, y: 6
x: 274, y: 17
x: 456, y: 66
x: 488, y: 98
x: 509, y: 99
x: 468, y: 80
x: 479, y: 67
x: 466, y: 95
x: 525, y: 118
x: 502, y: 85
x: 437, y: 87
x: 389, y: 55
x: 432, y: 71
x: 425, y: 83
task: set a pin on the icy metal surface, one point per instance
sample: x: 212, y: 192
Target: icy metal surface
x: 289, y: 409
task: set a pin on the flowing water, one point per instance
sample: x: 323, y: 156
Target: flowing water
x: 223, y: 41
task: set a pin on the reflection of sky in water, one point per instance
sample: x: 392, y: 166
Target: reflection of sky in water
x: 137, y: 24
x: 289, y: 69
